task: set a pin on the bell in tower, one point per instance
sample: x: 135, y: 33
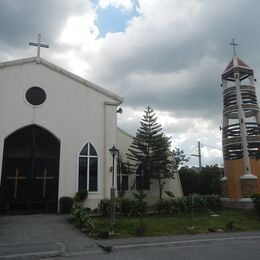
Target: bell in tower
x: 240, y: 132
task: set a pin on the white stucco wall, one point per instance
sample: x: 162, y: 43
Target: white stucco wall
x: 74, y: 113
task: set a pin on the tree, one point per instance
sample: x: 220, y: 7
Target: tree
x: 150, y: 150
x: 207, y: 181
x: 180, y: 157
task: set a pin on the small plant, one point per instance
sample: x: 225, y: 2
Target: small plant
x: 230, y: 226
x: 140, y: 229
x: 256, y: 201
x: 126, y: 206
x: 81, y: 195
x: 103, y: 207
x: 66, y: 204
x: 139, y: 204
x: 82, y: 219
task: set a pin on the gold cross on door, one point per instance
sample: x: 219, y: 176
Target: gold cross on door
x: 44, y: 178
x: 16, y: 178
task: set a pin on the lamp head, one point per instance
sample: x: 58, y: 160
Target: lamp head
x: 114, y: 151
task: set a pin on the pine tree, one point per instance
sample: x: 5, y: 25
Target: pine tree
x: 150, y: 149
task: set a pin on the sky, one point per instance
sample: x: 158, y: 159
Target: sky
x: 167, y: 54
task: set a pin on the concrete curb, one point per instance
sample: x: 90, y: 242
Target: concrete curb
x: 35, y: 252
x: 180, y: 243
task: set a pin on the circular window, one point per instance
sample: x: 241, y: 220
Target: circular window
x: 35, y: 96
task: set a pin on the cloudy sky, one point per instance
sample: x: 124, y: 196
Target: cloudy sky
x: 168, y: 54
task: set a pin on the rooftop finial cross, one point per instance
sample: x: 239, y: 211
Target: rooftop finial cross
x: 233, y: 44
x: 39, y: 45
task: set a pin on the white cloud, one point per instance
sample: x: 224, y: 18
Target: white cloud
x: 124, y: 4
x: 80, y: 30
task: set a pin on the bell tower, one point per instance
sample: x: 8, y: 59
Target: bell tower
x: 240, y: 131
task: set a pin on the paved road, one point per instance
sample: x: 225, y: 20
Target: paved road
x: 245, y: 249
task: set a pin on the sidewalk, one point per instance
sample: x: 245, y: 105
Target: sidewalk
x: 30, y: 236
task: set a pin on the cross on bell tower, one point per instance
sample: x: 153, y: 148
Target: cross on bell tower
x: 233, y: 44
x: 39, y: 45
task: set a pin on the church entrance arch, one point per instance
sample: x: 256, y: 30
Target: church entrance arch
x: 30, y: 171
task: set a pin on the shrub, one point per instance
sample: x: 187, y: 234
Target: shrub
x: 198, y: 204
x: 82, y: 219
x: 66, y: 204
x: 139, y: 205
x: 178, y: 205
x: 81, y: 195
x: 213, y: 202
x: 103, y: 207
x: 256, y: 201
x: 163, y: 206
x: 126, y: 206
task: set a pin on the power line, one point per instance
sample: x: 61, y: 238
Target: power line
x: 211, y: 146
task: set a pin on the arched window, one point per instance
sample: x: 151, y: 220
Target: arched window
x: 88, y: 168
x: 142, y: 179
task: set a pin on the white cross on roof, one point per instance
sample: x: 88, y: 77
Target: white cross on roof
x: 39, y: 45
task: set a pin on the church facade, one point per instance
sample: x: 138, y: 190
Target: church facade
x: 55, y: 135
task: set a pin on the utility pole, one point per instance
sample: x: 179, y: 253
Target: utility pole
x: 198, y: 155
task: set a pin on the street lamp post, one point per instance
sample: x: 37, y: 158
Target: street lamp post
x: 114, y: 152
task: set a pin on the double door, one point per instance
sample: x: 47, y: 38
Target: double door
x: 30, y: 172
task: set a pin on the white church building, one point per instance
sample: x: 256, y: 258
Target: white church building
x: 55, y: 135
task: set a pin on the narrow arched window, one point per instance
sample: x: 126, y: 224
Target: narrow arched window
x: 142, y: 178
x: 88, y: 168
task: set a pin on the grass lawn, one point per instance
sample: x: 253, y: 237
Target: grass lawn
x: 170, y: 225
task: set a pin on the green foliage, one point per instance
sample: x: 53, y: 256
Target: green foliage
x: 230, y: 226
x: 126, y: 206
x: 140, y: 229
x: 256, y: 201
x: 139, y: 205
x: 151, y: 149
x: 163, y: 206
x: 66, y: 204
x: 179, y: 205
x: 205, y: 182
x: 82, y: 219
x: 213, y: 202
x: 103, y: 207
x: 180, y: 157
x: 196, y: 204
x: 81, y: 195
x: 176, y: 224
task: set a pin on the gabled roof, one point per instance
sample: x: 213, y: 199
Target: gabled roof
x: 236, y: 65
x: 63, y: 72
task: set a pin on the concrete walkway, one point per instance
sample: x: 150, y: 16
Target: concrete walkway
x: 30, y: 236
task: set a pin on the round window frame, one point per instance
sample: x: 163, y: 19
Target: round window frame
x: 30, y: 104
